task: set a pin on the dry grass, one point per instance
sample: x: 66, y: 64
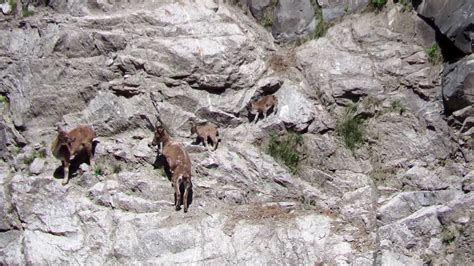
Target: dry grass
x: 282, y: 62
x: 258, y: 213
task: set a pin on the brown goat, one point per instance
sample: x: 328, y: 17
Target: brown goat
x: 262, y: 105
x: 179, y: 165
x: 69, y: 144
x: 205, y: 132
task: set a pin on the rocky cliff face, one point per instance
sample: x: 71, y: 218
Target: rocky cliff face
x: 399, y: 194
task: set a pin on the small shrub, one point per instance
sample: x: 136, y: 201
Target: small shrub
x: 42, y: 153
x: 99, y: 170
x: 398, y: 106
x: 285, y: 149
x: 350, y: 128
x: 434, y: 54
x: 17, y: 149
x: 373, y: 101
x: 321, y: 26
x: 406, y: 4
x: 347, y: 9
x: 27, y: 13
x: 320, y: 30
x: 378, y: 4
x: 29, y: 159
x: 3, y: 99
x: 448, y: 235
x: 12, y: 4
x: 267, y: 18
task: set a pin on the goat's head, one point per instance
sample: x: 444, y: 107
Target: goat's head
x: 64, y: 138
x: 275, y: 100
x: 160, y: 134
x: 193, y: 128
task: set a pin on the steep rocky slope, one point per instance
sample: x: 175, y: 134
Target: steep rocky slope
x: 402, y: 196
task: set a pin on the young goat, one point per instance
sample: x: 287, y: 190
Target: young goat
x: 68, y: 145
x: 179, y: 165
x: 205, y: 132
x: 262, y: 105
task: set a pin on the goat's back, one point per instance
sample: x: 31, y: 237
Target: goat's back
x: 177, y: 156
x: 207, y: 129
x: 265, y: 101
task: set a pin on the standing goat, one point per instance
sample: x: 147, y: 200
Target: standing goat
x: 262, y: 105
x: 205, y: 132
x: 69, y: 145
x: 179, y: 165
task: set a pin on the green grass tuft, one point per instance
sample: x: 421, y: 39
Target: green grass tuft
x: 27, y: 13
x: 350, y: 128
x: 398, y: 106
x: 378, y: 4
x: 407, y: 5
x: 12, y: 4
x: 268, y: 16
x: 448, y: 234
x: 267, y: 19
x: 434, y: 54
x: 321, y: 26
x: 99, y: 170
x: 285, y: 149
x: 3, y: 99
x: 347, y: 10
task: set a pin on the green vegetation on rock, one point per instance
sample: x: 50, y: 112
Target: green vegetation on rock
x: 434, y: 54
x: 285, y: 149
x: 350, y: 128
x: 378, y: 4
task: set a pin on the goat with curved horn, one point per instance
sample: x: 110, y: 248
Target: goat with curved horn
x: 179, y: 165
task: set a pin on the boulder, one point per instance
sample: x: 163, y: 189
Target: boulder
x: 458, y: 84
x: 293, y: 20
x: 6, y: 8
x: 37, y: 166
x: 294, y: 110
x: 453, y: 18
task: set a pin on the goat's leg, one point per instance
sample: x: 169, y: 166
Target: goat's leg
x: 208, y: 140
x: 66, y: 172
x: 204, y: 142
x: 186, y: 195
x: 215, y: 141
x: 88, y: 147
x: 177, y: 197
x: 257, y: 115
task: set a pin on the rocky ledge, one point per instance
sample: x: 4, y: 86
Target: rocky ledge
x: 401, y: 194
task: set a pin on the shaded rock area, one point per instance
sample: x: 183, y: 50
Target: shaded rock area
x: 458, y: 84
x: 402, y: 195
x: 452, y: 18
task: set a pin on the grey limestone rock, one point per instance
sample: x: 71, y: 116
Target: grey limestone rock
x: 334, y: 9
